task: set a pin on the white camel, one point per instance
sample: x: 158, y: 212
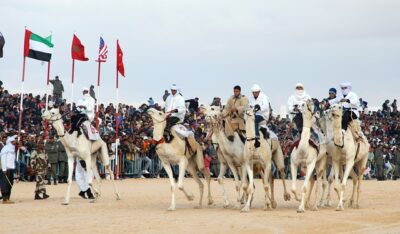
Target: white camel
x: 84, y: 149
x: 350, y: 153
x: 306, y: 156
x: 177, y: 153
x: 261, y: 158
x: 231, y: 153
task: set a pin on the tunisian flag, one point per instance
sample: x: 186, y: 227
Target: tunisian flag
x: 120, y: 63
x: 78, y: 50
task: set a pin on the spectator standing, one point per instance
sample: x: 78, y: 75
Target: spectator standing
x: 380, y: 162
x: 58, y: 87
x: 62, y: 163
x: 92, y: 93
x: 394, y: 106
x: 39, y: 165
x: 166, y: 94
x: 8, y: 166
x: 51, y: 149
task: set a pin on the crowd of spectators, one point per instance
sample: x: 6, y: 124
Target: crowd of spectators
x: 137, y: 152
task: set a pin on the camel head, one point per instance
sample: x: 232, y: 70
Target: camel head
x: 307, y: 109
x: 212, y: 113
x: 159, y: 122
x: 249, y: 114
x: 156, y: 115
x: 51, y: 115
x: 336, y: 111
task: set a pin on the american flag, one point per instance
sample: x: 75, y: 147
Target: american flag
x: 103, y: 50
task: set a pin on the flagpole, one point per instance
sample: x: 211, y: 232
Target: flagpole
x: 21, y: 109
x: 72, y: 82
x: 98, y: 94
x: 116, y: 121
x: 46, y: 123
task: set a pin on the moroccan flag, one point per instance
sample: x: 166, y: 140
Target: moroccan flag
x: 78, y: 50
x: 120, y: 63
x: 37, y: 47
x: 2, y: 42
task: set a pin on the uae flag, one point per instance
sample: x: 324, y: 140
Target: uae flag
x: 37, y: 47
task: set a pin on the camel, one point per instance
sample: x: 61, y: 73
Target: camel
x: 351, y: 153
x: 230, y: 154
x: 84, y: 149
x: 307, y: 156
x: 261, y: 157
x: 176, y: 152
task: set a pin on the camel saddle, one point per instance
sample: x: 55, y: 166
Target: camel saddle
x: 313, y: 141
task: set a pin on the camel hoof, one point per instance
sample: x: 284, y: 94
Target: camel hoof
x: 274, y: 204
x: 267, y: 208
x: 65, y: 203
x: 171, y: 208
x: 190, y: 197
x: 198, y: 207
x: 339, y: 208
x: 210, y: 202
x: 93, y: 201
x: 226, y: 204
x: 356, y: 206
x: 245, y: 209
x: 315, y: 208
x: 286, y: 197
x: 118, y: 197
x: 300, y: 210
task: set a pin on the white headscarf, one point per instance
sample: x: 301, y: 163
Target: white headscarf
x: 9, y: 147
x: 347, y: 86
x: 300, y: 94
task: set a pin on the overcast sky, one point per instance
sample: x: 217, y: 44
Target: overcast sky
x: 208, y: 46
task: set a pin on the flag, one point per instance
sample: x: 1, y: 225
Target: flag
x: 78, y: 50
x: 120, y: 63
x: 37, y: 47
x: 2, y: 42
x: 103, y: 50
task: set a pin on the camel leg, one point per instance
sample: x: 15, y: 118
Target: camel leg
x: 349, y: 167
x: 192, y: 170
x: 250, y: 188
x: 96, y: 173
x: 354, y: 177
x: 168, y: 170
x: 293, y: 169
x: 310, y: 169
x: 318, y: 195
x: 280, y: 165
x: 360, y: 178
x: 331, y: 179
x: 237, y: 182
x: 222, y: 170
x: 309, y: 192
x: 105, y: 160
x: 324, y: 190
x: 244, y: 184
x: 182, y: 168
x: 70, y: 171
x: 116, y: 192
x: 267, y: 176
x: 208, y: 180
x: 271, y: 185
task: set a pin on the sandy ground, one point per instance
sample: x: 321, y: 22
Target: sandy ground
x: 143, y: 209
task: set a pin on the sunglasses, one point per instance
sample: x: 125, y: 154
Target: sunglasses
x: 344, y: 87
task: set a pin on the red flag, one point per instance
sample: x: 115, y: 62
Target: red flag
x: 120, y: 63
x: 78, y: 50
